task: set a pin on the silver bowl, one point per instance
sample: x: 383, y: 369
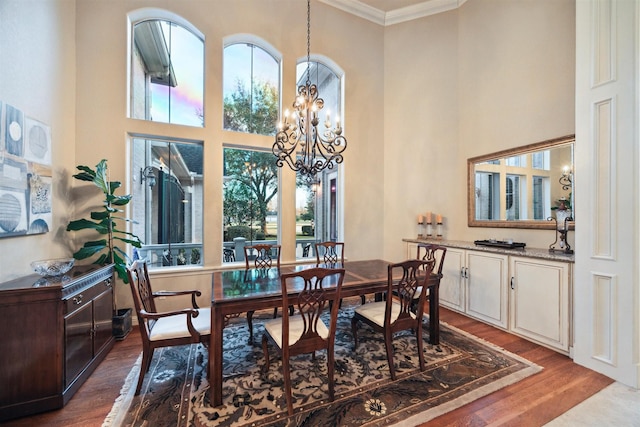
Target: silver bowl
x: 52, y: 267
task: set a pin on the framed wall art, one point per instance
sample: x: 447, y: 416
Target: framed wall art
x: 25, y: 174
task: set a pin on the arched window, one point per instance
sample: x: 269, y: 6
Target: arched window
x: 318, y: 204
x: 167, y: 72
x: 166, y: 85
x: 251, y: 86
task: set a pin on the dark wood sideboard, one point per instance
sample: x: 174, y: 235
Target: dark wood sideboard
x: 53, y: 334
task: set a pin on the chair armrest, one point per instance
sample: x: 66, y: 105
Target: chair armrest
x: 154, y: 316
x: 190, y: 312
x: 193, y: 294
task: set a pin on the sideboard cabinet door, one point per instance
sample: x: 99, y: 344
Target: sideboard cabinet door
x: 540, y: 305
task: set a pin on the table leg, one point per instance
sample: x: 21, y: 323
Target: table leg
x: 434, y: 314
x: 215, y: 356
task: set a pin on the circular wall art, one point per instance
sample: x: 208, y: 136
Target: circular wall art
x: 10, y: 212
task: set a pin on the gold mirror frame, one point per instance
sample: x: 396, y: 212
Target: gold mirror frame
x: 471, y: 186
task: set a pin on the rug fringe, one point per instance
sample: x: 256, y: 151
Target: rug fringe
x: 116, y: 415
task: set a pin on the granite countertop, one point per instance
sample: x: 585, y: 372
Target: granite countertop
x: 525, y: 252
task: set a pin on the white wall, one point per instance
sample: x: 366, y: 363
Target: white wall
x: 38, y: 76
x: 490, y: 75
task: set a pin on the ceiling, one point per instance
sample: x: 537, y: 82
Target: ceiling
x: 389, y: 12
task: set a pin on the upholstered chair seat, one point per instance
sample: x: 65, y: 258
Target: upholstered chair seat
x: 375, y: 312
x: 168, y: 328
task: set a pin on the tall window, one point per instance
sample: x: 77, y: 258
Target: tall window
x: 250, y: 205
x: 168, y: 194
x: 167, y: 75
x: 167, y: 81
x: 251, y: 89
x: 317, y: 203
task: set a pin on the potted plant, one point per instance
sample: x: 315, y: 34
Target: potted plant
x: 107, y: 223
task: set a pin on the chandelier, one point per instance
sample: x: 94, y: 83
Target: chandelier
x: 299, y: 143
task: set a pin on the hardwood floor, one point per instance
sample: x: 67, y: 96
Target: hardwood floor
x: 533, y: 401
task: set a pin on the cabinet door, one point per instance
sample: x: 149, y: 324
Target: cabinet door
x: 412, y: 250
x: 102, y: 318
x: 540, y: 301
x: 452, y: 282
x: 486, y: 282
x: 78, y: 341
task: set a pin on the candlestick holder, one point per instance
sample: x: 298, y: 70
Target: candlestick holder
x: 562, y: 229
x: 439, y: 230
x: 429, y: 229
x: 420, y: 230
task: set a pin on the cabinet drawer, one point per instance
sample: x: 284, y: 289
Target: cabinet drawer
x: 79, y: 299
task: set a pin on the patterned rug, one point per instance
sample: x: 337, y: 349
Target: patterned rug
x: 459, y: 370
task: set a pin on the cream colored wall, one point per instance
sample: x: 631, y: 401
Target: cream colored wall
x: 354, y: 44
x: 37, y: 75
x: 491, y: 75
x: 421, y: 97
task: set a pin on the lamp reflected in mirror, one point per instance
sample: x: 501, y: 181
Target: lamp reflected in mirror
x: 566, y: 179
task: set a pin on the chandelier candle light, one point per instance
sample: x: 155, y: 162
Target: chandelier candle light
x: 298, y: 142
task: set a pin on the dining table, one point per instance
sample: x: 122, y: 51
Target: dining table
x: 240, y: 290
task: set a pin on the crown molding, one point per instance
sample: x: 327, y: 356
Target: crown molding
x: 396, y: 16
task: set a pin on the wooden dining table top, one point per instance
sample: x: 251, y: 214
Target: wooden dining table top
x: 248, y: 285
x: 241, y: 290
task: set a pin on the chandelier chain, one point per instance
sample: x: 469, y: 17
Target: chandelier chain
x: 308, y: 42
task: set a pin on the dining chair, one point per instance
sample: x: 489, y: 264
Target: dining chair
x: 331, y: 254
x: 305, y: 332
x: 395, y: 313
x: 430, y: 252
x: 167, y: 328
x: 262, y: 256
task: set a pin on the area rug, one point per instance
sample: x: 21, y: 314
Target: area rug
x: 459, y: 370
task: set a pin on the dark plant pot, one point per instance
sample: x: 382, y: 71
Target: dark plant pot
x: 122, y: 323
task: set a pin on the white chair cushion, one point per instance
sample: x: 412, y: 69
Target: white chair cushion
x: 418, y: 292
x: 375, y: 311
x: 296, y: 328
x: 176, y: 326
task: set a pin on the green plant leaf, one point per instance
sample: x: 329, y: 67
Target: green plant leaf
x: 85, y: 224
x: 88, y: 251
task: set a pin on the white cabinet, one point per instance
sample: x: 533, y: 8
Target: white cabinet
x: 475, y: 283
x: 452, y: 284
x: 530, y: 296
x: 451, y: 293
x: 486, y: 276
x: 540, y: 301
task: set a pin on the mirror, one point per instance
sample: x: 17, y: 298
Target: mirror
x: 521, y: 187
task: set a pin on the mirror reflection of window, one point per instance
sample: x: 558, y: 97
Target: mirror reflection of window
x: 487, y: 191
x: 517, y: 161
x: 540, y: 160
x: 513, y: 201
x: 529, y: 186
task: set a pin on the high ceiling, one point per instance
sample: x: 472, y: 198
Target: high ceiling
x: 389, y: 12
